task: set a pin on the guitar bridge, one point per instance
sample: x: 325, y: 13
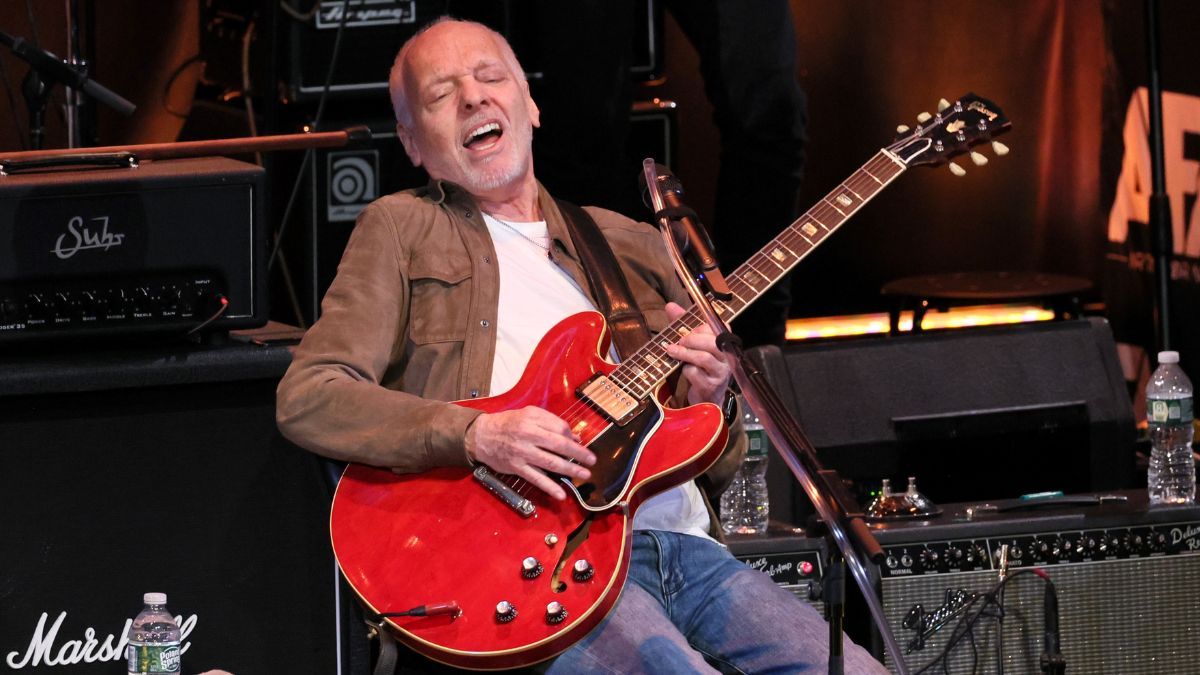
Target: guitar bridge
x: 610, y: 399
x: 505, y: 493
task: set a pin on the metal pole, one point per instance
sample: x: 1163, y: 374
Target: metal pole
x: 1161, y: 236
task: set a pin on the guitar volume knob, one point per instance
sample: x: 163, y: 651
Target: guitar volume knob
x: 531, y: 568
x: 583, y: 570
x: 505, y: 611
x: 555, y: 612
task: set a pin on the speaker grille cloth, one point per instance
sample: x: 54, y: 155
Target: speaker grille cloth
x: 1115, y: 616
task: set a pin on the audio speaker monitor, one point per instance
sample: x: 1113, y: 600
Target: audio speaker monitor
x: 972, y: 413
x: 128, y: 471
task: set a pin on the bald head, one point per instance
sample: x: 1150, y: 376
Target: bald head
x: 400, y: 82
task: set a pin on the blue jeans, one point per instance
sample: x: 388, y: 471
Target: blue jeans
x: 691, y: 607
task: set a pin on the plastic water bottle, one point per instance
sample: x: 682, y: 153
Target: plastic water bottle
x: 153, y: 639
x: 1172, y: 472
x: 745, y: 508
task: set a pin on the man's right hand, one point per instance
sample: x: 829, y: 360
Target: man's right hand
x: 529, y: 442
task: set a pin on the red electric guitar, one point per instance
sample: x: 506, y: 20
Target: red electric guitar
x: 482, y: 570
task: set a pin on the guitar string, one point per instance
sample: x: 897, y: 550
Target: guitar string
x: 823, y: 212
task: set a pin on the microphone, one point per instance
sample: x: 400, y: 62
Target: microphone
x: 1052, y: 660
x: 699, y: 248
x: 53, y: 68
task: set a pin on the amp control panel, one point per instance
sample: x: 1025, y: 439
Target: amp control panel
x: 1049, y: 548
x: 170, y: 301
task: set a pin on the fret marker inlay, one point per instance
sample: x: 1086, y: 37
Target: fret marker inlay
x: 809, y: 229
x: 844, y: 200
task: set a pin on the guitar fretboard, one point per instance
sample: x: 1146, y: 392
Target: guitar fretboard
x: 641, y: 373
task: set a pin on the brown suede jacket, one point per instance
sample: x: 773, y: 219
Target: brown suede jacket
x: 408, y: 324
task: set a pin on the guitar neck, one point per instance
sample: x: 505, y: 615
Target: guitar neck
x: 642, y: 372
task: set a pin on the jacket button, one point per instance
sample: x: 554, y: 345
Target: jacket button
x: 487, y: 259
x: 467, y: 214
x: 485, y: 323
x: 474, y: 393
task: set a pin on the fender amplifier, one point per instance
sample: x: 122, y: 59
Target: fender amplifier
x: 168, y: 246
x: 1127, y: 578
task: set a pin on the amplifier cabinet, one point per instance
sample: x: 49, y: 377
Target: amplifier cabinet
x: 793, y: 561
x: 1127, y: 579
x: 132, y: 250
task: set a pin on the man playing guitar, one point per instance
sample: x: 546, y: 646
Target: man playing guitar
x: 443, y: 294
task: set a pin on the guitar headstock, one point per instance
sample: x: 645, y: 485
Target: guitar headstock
x: 955, y: 129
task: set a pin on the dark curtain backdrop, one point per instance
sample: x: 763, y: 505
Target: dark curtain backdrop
x: 1055, y: 66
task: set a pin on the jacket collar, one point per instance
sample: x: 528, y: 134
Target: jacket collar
x: 443, y: 192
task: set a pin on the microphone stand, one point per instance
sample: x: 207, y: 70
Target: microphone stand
x: 1161, y: 235
x: 50, y: 69
x: 852, y: 540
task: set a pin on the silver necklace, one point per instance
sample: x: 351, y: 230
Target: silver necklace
x: 522, y: 235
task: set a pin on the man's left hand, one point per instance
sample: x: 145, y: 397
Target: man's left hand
x: 704, y: 365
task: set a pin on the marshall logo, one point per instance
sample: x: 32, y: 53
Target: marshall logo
x: 366, y: 13
x: 79, y: 237
x: 43, y: 650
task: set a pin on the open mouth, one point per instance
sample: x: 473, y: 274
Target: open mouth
x: 483, y: 136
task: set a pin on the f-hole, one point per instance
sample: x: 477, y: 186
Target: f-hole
x: 577, y: 537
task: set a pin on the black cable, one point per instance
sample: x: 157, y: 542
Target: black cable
x: 166, y: 91
x: 316, y: 125
x: 967, y: 623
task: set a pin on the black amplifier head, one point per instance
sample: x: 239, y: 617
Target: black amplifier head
x: 164, y: 247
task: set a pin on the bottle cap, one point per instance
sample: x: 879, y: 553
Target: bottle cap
x: 1168, y: 357
x: 155, y: 598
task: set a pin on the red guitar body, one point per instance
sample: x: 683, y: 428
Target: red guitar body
x: 405, y: 541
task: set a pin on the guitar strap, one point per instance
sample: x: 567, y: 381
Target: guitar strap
x: 608, y: 283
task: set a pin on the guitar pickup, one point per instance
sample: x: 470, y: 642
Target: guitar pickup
x: 610, y: 399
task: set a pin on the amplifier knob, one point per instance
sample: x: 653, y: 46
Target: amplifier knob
x: 10, y: 309
x: 1039, y: 550
x: 906, y: 560
x: 929, y: 559
x: 891, y: 562
x: 976, y: 555
x: 116, y: 304
x: 1068, y: 547
x: 1120, y: 544
x: 86, y: 302
x: 1158, y: 541
x: 143, y: 301
x: 35, y: 307
x: 1015, y: 552
x: 1089, y: 545
x: 954, y: 556
x: 1058, y: 549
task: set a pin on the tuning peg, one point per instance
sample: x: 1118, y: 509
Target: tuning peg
x: 902, y: 129
x: 979, y: 159
x: 943, y: 104
x: 924, y: 117
x: 999, y: 148
x: 957, y: 170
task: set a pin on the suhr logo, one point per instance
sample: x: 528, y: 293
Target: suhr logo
x: 80, y: 237
x: 43, y: 649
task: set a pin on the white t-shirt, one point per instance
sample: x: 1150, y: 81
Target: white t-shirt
x: 536, y: 294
